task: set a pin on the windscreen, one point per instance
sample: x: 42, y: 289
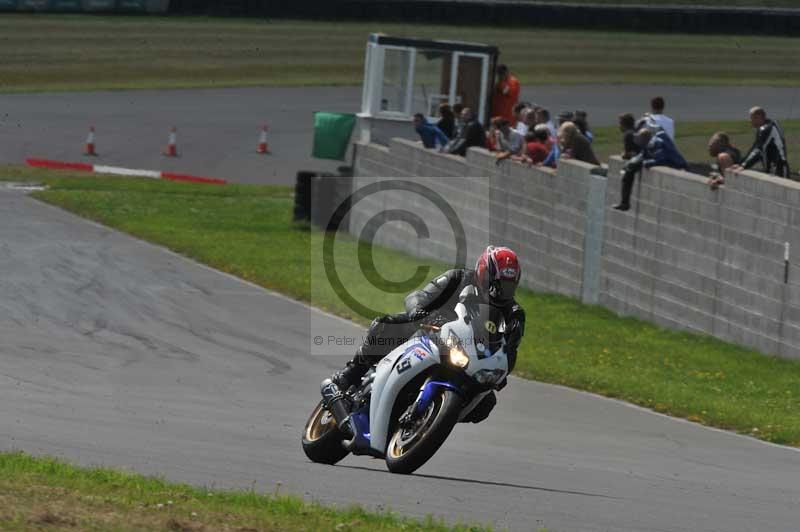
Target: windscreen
x: 488, y: 326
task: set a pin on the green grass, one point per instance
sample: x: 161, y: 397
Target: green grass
x: 237, y: 229
x: 47, y: 494
x: 79, y: 52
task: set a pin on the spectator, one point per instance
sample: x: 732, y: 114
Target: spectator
x: 457, y: 110
x: 564, y: 117
x: 506, y: 94
x: 543, y: 117
x: 769, y: 147
x: 528, y: 123
x: 447, y: 122
x: 509, y: 143
x: 538, y: 145
x: 657, y: 150
x: 519, y: 109
x: 657, y: 113
x: 431, y: 136
x: 472, y: 134
x: 581, y: 120
x: 574, y: 145
x: 725, y: 156
x: 522, y: 124
x: 491, y: 135
x: 626, y: 125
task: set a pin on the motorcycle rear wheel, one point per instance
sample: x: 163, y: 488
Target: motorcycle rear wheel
x: 410, y: 448
x: 322, y: 439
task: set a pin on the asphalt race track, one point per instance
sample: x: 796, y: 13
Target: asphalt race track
x: 218, y: 128
x: 117, y: 352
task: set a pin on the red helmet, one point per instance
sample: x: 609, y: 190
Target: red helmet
x: 497, y: 274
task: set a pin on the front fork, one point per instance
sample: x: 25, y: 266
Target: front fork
x: 423, y: 401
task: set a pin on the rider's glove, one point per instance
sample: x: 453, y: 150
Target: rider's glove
x: 418, y: 315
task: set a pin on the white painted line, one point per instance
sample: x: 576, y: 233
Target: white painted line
x: 117, y: 170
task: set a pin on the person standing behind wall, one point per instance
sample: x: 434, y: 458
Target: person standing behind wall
x: 769, y: 148
x: 430, y: 135
x: 657, y: 113
x: 725, y: 155
x: 574, y: 145
x: 472, y: 134
x: 506, y: 95
x: 447, y: 122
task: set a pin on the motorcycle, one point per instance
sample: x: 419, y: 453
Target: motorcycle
x: 406, y: 405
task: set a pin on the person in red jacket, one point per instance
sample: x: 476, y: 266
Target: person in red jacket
x: 506, y: 95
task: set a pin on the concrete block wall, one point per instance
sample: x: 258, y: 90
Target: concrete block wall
x: 684, y: 257
x: 687, y: 257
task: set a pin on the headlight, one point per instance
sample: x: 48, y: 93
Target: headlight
x: 457, y: 355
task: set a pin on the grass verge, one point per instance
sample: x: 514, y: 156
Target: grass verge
x: 47, y: 494
x: 237, y: 229
x: 78, y: 52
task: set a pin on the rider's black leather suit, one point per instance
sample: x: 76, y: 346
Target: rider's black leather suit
x: 769, y: 149
x: 438, y: 297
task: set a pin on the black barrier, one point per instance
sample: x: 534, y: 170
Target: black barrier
x: 678, y: 19
x: 302, y: 196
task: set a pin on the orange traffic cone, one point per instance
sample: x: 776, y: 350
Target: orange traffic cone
x: 262, y: 140
x: 172, y: 144
x: 90, y: 142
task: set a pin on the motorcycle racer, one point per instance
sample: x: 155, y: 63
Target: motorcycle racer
x: 496, y: 276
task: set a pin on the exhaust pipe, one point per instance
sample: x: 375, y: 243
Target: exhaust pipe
x: 337, y: 404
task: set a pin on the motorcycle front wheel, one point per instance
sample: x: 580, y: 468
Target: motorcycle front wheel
x: 411, y: 446
x: 322, y: 439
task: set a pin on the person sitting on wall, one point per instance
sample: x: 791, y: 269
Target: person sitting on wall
x: 657, y: 150
x: 472, y: 134
x: 582, y: 121
x: 725, y: 156
x: 574, y: 145
x: 447, y: 120
x: 769, y: 148
x: 627, y: 124
x: 431, y: 136
x: 508, y: 142
x: 506, y: 94
x: 538, y: 145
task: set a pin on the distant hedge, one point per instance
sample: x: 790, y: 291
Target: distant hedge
x: 678, y: 19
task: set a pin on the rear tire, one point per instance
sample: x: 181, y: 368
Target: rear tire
x: 409, y: 449
x: 322, y: 439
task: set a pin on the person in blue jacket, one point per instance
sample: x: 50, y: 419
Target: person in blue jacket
x: 431, y: 136
x: 658, y: 149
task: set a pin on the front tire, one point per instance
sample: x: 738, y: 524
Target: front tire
x: 410, y: 448
x: 322, y: 439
